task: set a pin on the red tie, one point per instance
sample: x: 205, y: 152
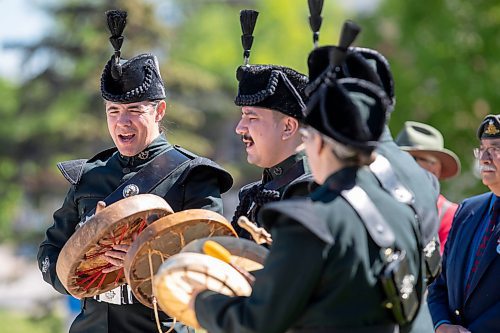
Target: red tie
x: 484, y: 241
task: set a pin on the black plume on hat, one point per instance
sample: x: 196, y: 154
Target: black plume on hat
x: 324, y: 61
x: 129, y: 81
x: 248, y: 19
x: 268, y: 86
x: 315, y: 19
x: 117, y: 20
x: 490, y: 127
x: 350, y: 111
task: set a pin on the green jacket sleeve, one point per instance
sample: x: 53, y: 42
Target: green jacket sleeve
x: 281, y: 291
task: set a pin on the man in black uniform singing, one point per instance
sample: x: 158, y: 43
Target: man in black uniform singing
x: 271, y: 101
x: 134, y: 95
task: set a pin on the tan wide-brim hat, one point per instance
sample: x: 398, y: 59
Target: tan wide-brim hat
x: 419, y: 137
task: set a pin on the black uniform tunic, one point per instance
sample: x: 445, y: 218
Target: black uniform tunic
x: 289, y: 178
x: 321, y: 271
x: 195, y: 184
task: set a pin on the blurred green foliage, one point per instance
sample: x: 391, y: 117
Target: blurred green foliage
x: 443, y: 56
x: 14, y: 322
x: 444, y: 59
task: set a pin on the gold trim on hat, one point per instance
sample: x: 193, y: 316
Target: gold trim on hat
x: 491, y: 129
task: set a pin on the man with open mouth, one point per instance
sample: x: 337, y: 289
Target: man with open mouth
x: 134, y: 94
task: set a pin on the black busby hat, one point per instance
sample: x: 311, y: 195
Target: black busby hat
x: 360, y: 63
x: 377, y: 62
x: 350, y: 111
x: 272, y: 87
x: 128, y: 81
x: 490, y: 127
x: 324, y: 61
x: 269, y: 86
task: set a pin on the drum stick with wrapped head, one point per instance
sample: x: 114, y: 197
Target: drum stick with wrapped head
x: 259, y: 235
x: 218, y: 251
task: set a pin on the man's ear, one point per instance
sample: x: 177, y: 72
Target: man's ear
x: 291, y: 127
x: 161, y: 109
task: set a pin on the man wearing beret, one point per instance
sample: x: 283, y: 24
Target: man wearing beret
x: 271, y: 98
x: 426, y: 144
x: 466, y: 295
x: 134, y: 94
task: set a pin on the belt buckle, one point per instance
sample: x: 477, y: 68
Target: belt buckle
x: 113, y: 296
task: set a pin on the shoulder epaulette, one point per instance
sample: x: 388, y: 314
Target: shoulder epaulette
x: 224, y: 178
x: 72, y: 170
x: 186, y: 152
x: 301, y: 211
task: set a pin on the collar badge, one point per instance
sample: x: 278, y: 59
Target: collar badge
x: 143, y: 155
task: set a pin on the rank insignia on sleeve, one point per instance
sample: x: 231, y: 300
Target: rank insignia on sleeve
x: 45, y: 264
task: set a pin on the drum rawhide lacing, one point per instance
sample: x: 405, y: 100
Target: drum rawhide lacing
x: 81, y: 262
x: 93, y: 274
x: 181, y: 274
x: 164, y: 238
x: 155, y: 302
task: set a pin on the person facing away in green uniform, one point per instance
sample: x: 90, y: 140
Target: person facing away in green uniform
x: 271, y: 98
x: 322, y: 271
x: 134, y: 94
x: 370, y: 65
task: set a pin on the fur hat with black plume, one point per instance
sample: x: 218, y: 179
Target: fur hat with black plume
x: 273, y: 87
x: 127, y: 81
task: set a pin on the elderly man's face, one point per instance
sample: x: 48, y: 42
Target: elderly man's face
x: 134, y: 126
x: 488, y: 155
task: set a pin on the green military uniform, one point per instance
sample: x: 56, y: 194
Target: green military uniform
x: 323, y: 270
x: 371, y: 66
x: 320, y: 275
x: 421, y: 183
x: 195, y: 184
x: 287, y: 179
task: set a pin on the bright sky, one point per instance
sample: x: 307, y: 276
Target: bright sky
x: 20, y: 20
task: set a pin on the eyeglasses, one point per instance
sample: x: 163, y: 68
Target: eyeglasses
x: 493, y: 152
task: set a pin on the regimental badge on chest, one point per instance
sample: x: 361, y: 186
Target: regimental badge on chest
x: 130, y: 190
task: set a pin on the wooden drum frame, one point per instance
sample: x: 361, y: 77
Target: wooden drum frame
x: 80, y: 263
x: 164, y: 238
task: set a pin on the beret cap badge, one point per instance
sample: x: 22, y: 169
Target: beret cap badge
x: 491, y: 129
